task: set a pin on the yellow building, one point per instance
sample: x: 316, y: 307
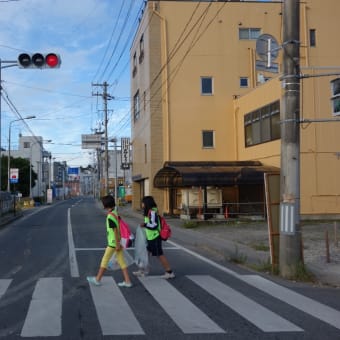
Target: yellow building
x: 199, y: 77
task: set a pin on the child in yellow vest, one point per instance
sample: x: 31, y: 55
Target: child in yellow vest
x: 113, y: 245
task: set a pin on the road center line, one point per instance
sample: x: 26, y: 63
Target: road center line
x: 72, y: 253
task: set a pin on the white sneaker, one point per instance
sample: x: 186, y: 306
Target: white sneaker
x: 92, y: 280
x: 168, y: 276
x: 140, y: 273
x: 124, y: 284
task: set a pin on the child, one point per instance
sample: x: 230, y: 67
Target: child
x: 113, y: 245
x: 154, y: 242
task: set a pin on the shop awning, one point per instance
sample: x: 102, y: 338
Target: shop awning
x: 188, y: 174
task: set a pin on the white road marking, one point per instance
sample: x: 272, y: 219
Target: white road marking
x: 72, y: 253
x: 114, y: 314
x: 44, y: 313
x: 258, y: 315
x: 301, y: 302
x: 4, y: 284
x: 315, y: 308
x: 183, y: 312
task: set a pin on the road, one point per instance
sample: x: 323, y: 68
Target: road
x: 45, y: 258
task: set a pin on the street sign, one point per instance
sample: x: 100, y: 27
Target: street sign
x: 93, y: 141
x: 262, y: 66
x: 14, y: 175
x: 125, y: 154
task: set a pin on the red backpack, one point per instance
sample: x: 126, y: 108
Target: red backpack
x: 126, y: 236
x: 165, y: 231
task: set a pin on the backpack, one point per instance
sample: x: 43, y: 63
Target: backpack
x: 126, y: 235
x: 165, y: 231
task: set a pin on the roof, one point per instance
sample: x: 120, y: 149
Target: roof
x: 184, y: 174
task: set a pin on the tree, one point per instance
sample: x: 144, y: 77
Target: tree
x: 23, y: 184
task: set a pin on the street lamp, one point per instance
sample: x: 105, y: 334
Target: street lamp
x: 9, y: 148
x: 37, y: 141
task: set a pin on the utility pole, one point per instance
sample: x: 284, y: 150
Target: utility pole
x: 106, y: 97
x: 291, y: 256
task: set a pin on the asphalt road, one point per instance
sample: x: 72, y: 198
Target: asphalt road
x: 46, y: 255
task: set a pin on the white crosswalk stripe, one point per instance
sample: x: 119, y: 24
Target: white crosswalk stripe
x: 185, y: 314
x: 44, y: 315
x: 109, y: 301
x: 260, y: 316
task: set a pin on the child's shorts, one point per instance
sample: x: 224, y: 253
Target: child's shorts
x: 155, y: 246
x: 109, y: 251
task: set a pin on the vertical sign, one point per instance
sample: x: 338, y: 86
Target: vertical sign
x: 14, y: 175
x: 125, y: 143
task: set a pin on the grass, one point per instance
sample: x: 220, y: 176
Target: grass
x: 237, y: 257
x: 260, y: 247
x: 190, y: 224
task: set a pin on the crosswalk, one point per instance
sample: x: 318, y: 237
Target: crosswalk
x: 45, y: 310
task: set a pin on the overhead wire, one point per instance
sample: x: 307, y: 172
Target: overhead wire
x: 181, y: 61
x: 118, y: 40
x: 110, y: 40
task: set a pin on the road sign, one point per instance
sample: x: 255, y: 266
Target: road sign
x: 262, y: 66
x: 14, y: 175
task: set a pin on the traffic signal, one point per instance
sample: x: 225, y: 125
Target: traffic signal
x: 39, y: 60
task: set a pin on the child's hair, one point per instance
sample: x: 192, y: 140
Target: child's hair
x: 108, y: 201
x: 149, y: 203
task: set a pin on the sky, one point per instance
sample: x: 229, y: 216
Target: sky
x: 93, y: 38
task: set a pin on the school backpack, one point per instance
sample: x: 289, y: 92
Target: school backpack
x: 126, y: 235
x: 165, y: 231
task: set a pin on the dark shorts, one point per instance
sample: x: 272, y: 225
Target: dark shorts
x: 155, y: 246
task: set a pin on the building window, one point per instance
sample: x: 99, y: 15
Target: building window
x: 243, y: 81
x: 134, y: 65
x: 141, y: 49
x: 249, y: 33
x: 262, y: 125
x: 312, y: 38
x: 208, y: 139
x: 136, y: 106
x: 206, y: 85
x: 335, y: 99
x: 144, y: 101
x: 27, y: 145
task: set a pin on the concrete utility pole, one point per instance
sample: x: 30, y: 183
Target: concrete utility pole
x: 106, y: 97
x: 291, y: 256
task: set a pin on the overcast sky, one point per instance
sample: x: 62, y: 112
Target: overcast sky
x: 93, y: 38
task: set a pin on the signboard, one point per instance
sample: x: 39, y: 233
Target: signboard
x: 125, y: 154
x: 49, y: 196
x: 263, y: 66
x: 73, y: 174
x: 14, y: 175
x: 93, y: 141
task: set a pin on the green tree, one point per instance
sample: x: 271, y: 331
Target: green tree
x: 23, y: 184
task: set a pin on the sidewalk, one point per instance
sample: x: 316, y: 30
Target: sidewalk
x: 247, y: 243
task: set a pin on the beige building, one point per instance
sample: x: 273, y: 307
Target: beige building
x: 206, y: 106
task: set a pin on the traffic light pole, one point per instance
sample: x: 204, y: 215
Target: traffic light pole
x: 290, y: 256
x: 11, y: 64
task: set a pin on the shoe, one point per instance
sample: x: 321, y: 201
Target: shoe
x: 124, y: 284
x: 140, y: 273
x: 93, y: 281
x: 168, y: 276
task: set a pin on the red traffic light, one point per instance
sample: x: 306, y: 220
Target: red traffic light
x: 39, y: 60
x: 52, y: 60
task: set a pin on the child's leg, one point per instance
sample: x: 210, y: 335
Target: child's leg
x: 103, y: 264
x: 100, y: 273
x: 122, y: 264
x: 164, y: 263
